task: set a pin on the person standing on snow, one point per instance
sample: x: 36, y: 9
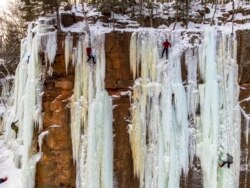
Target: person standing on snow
x: 166, y: 45
x: 89, y: 54
x: 3, y: 179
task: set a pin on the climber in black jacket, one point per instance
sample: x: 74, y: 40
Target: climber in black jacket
x: 14, y: 127
x: 229, y: 161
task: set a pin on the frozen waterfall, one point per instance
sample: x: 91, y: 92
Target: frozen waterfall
x: 25, y: 107
x: 182, y: 109
x: 92, y: 119
x: 172, y: 120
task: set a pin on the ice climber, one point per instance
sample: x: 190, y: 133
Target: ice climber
x: 229, y: 161
x: 3, y: 179
x: 89, y: 54
x: 14, y: 127
x: 28, y: 59
x: 166, y: 45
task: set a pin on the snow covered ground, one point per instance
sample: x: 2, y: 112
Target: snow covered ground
x: 8, y: 169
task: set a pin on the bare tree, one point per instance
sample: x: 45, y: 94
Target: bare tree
x: 212, y: 19
x: 233, y: 16
x: 187, y: 13
x: 176, y: 14
x: 13, y: 29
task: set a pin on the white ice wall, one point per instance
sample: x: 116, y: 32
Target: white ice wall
x: 173, y: 120
x: 92, y: 119
x: 26, y: 106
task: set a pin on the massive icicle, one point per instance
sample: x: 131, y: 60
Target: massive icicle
x: 172, y: 120
x: 68, y: 50
x: 220, y: 112
x: 91, y: 123
x: 27, y: 99
x: 159, y: 129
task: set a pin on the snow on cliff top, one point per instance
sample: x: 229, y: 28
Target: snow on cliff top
x: 221, y: 14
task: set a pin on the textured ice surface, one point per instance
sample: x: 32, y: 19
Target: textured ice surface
x: 173, y: 119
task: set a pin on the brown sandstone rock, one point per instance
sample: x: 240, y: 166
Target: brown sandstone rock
x: 243, y: 60
x: 118, y: 78
x: 64, y: 84
x: 226, y: 14
x: 117, y: 58
x: 65, y: 95
x: 239, y: 21
x: 123, y: 163
x: 245, y: 94
x: 56, y: 168
x: 243, y: 55
x: 67, y: 19
x: 55, y: 104
x: 59, y: 66
x: 78, y: 18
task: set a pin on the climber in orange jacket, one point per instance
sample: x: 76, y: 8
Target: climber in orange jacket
x: 3, y: 179
x: 166, y: 45
x: 89, y: 54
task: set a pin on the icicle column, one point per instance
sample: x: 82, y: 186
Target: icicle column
x: 172, y: 120
x: 209, y: 104
x: 27, y: 105
x: 91, y: 123
x: 68, y: 50
x: 220, y: 112
x: 159, y: 127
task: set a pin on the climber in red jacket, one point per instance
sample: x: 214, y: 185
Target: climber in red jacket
x: 89, y: 54
x: 166, y: 45
x: 3, y: 179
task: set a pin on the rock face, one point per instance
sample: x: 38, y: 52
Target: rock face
x: 68, y: 19
x: 243, y: 56
x: 243, y: 59
x: 56, y: 167
x: 117, y: 61
x: 118, y: 79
